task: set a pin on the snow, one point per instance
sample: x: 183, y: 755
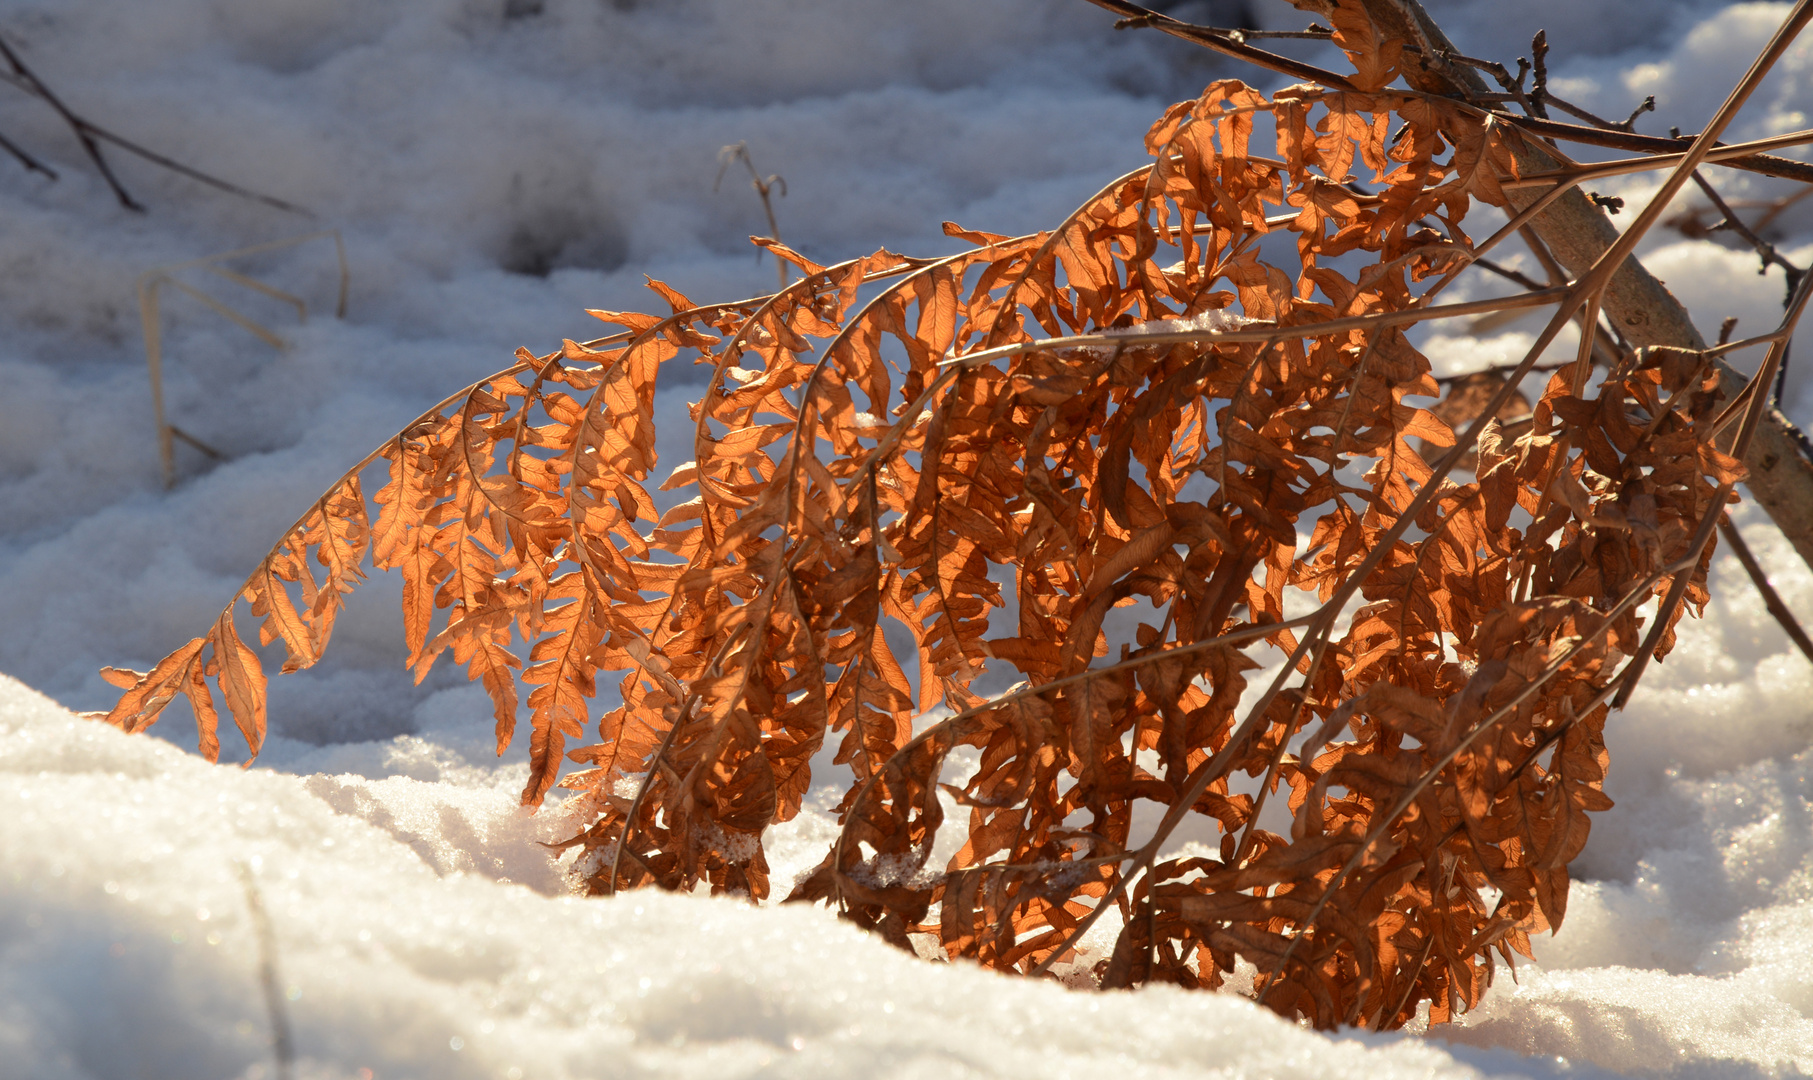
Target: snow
x: 494, y: 176
x: 125, y: 913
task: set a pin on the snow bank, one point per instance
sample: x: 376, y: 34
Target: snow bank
x: 127, y: 949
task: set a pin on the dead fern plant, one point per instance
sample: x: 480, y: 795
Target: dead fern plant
x: 1145, y: 406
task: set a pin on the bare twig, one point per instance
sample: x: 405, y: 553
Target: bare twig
x: 150, y: 318
x: 1548, y: 175
x: 763, y: 185
x: 1512, y: 275
x: 24, y: 76
x: 1797, y: 437
x: 1504, y: 369
x: 282, y: 1047
x: 1314, y: 33
x: 1764, y: 164
x: 1764, y: 250
x: 1539, y: 85
x: 1771, y: 599
x: 179, y: 433
x: 90, y: 135
x: 32, y: 164
x: 1627, y: 124
x: 1777, y: 206
x: 1227, y: 42
x: 1541, y: 96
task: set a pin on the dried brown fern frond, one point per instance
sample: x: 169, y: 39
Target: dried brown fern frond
x: 1145, y: 408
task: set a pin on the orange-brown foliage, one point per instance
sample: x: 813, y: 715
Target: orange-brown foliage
x: 1145, y: 406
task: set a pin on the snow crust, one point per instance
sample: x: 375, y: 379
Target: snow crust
x: 128, y: 951
x: 498, y: 167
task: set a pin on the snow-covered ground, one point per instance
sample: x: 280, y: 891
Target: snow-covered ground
x: 497, y: 166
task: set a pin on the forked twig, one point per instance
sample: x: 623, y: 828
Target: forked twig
x: 1764, y: 250
x: 90, y: 135
x: 151, y: 321
x: 763, y: 185
x: 23, y: 78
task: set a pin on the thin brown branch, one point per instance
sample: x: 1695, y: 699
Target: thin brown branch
x: 24, y: 76
x: 1764, y: 250
x: 90, y: 134
x: 1124, y: 339
x: 1225, y: 42
x: 763, y: 185
x: 195, y: 442
x: 1539, y: 81
x: 1760, y: 578
x: 31, y: 164
x: 1762, y: 164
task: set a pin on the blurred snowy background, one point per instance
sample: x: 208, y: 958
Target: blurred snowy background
x: 498, y: 166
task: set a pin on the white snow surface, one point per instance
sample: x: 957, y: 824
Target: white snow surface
x: 497, y: 167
